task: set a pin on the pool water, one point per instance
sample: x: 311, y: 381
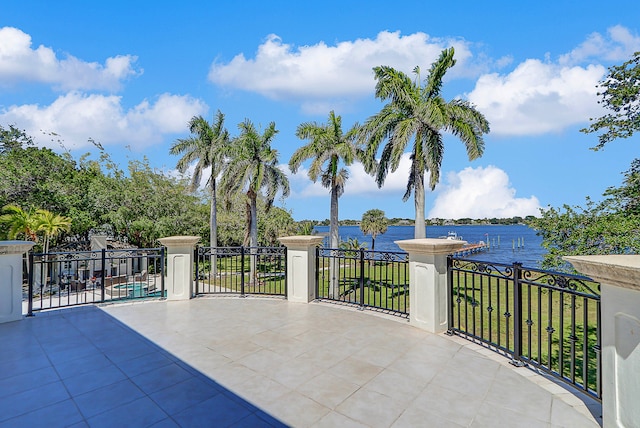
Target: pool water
x: 135, y: 289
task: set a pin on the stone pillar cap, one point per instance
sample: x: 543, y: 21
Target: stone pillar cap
x: 173, y: 241
x: 301, y: 240
x: 15, y: 247
x: 620, y: 270
x: 431, y: 245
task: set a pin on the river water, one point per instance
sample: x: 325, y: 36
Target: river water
x: 507, y: 243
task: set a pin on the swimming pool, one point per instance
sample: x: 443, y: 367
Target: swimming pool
x: 133, y: 289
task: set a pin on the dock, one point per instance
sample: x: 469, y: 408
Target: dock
x: 473, y: 248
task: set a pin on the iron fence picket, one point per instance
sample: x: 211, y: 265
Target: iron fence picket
x: 241, y: 270
x: 60, y: 279
x: 538, y: 320
x: 364, y: 278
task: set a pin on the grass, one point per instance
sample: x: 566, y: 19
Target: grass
x: 559, y: 332
x: 385, y: 283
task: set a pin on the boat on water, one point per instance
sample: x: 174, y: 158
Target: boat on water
x: 452, y: 236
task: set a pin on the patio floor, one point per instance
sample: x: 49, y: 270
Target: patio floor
x: 262, y: 362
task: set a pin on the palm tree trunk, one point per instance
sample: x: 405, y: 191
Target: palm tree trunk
x: 420, y: 227
x: 334, y: 288
x: 254, y: 239
x: 213, y: 228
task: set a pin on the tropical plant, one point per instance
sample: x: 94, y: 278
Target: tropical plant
x: 19, y: 222
x: 418, y: 114
x: 207, y: 147
x: 305, y: 228
x: 51, y: 225
x: 253, y: 169
x: 374, y: 223
x: 328, y: 146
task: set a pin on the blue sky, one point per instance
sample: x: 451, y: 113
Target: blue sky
x: 131, y: 74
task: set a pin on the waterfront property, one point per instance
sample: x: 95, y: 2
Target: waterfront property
x: 198, y: 340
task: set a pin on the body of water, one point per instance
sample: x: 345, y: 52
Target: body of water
x: 508, y: 243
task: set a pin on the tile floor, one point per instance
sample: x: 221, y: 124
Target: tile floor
x: 262, y: 362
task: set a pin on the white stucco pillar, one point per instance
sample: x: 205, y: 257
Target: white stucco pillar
x: 11, y: 279
x: 428, y: 304
x: 179, y: 282
x: 301, y: 267
x: 619, y: 277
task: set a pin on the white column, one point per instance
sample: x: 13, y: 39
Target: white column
x: 11, y: 279
x: 301, y: 267
x: 428, y: 303
x: 179, y: 279
x: 619, y: 278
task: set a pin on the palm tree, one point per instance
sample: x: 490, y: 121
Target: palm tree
x: 328, y: 145
x: 373, y: 223
x: 51, y: 225
x: 20, y: 222
x: 253, y: 168
x: 419, y: 114
x: 207, y: 147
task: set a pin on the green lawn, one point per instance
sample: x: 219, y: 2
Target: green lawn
x: 556, y: 323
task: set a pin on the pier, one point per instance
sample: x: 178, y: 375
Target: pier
x: 469, y: 249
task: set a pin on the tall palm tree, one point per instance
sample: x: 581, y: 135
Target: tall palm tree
x: 374, y: 223
x: 207, y: 147
x: 20, y: 222
x: 418, y: 114
x: 51, y: 225
x: 253, y: 169
x: 328, y: 146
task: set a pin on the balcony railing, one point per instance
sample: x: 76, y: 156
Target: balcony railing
x: 73, y: 278
x: 241, y: 270
x: 369, y: 279
x: 546, y: 319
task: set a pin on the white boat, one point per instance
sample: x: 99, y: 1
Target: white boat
x: 452, y: 236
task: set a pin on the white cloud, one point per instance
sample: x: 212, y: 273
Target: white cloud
x: 75, y: 117
x: 19, y: 62
x: 618, y: 46
x: 538, y: 97
x: 481, y: 193
x: 336, y: 72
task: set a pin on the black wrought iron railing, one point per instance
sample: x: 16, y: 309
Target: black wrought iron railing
x: 369, y: 279
x: 241, y: 270
x: 80, y: 277
x: 546, y: 319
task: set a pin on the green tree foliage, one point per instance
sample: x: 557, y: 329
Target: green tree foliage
x: 18, y: 223
x: 374, y: 223
x: 148, y: 205
x: 13, y: 138
x: 28, y: 224
x: 621, y: 95
x: 51, y: 225
x: 415, y: 116
x: 609, y: 227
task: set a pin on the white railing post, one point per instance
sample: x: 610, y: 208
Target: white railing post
x: 619, y: 277
x: 11, y: 253
x: 301, y: 267
x: 428, y: 287
x: 179, y: 279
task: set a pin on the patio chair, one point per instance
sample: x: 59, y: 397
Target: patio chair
x: 142, y: 276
